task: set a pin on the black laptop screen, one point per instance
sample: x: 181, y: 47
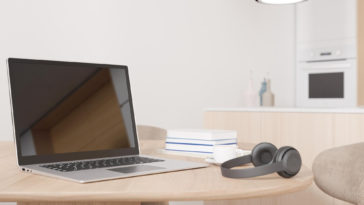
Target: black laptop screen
x: 63, y: 108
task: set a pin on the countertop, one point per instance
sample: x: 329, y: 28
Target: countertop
x: 359, y: 110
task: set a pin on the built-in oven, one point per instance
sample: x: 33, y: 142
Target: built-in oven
x: 326, y: 78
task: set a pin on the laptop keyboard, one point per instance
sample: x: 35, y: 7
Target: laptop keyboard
x: 101, y: 163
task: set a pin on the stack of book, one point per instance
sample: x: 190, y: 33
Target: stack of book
x: 198, y: 142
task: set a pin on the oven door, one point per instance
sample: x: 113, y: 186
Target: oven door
x: 327, y: 84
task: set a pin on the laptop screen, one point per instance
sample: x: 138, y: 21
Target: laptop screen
x: 65, y: 109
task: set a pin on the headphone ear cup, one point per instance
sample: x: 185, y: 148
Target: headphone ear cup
x: 263, y: 153
x: 291, y: 160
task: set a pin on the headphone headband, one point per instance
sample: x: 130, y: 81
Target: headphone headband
x: 226, y: 170
x: 237, y: 161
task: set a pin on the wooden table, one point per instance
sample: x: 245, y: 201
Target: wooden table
x: 198, y: 184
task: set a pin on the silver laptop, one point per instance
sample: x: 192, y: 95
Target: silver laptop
x: 75, y: 121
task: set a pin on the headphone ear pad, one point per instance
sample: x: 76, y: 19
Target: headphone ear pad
x: 263, y: 153
x: 291, y: 161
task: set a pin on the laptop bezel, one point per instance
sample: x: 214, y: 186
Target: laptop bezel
x: 42, y: 159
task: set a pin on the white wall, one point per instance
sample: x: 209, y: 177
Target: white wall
x: 183, y: 55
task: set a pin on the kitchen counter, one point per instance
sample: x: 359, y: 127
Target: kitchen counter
x: 358, y: 110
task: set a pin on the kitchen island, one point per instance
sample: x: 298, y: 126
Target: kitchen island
x: 310, y: 130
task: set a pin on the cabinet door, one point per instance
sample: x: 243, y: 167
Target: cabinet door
x: 322, y: 20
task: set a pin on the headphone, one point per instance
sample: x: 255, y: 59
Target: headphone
x: 286, y: 161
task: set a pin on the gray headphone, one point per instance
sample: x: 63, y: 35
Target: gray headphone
x: 286, y: 161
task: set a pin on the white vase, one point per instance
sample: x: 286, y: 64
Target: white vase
x: 251, y: 96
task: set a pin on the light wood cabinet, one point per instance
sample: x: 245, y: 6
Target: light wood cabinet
x: 310, y: 133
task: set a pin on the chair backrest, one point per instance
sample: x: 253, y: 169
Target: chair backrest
x: 146, y: 132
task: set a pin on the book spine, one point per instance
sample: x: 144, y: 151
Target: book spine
x: 181, y: 147
x: 204, y: 142
x: 192, y: 135
x: 201, y: 136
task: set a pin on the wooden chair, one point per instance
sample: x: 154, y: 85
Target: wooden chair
x: 146, y: 132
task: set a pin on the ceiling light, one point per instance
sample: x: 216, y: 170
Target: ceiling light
x: 279, y: 1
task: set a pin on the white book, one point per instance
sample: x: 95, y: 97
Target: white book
x: 186, y: 153
x: 198, y: 142
x: 202, y: 134
x: 195, y: 148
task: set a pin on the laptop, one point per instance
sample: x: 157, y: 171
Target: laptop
x: 75, y: 121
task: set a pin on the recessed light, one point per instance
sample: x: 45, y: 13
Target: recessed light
x: 280, y: 1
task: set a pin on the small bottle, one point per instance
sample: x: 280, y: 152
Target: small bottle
x: 262, y: 90
x: 268, y: 96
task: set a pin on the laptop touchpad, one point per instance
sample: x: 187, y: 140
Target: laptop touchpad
x: 134, y: 169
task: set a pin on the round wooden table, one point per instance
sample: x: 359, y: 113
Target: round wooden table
x: 198, y: 184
